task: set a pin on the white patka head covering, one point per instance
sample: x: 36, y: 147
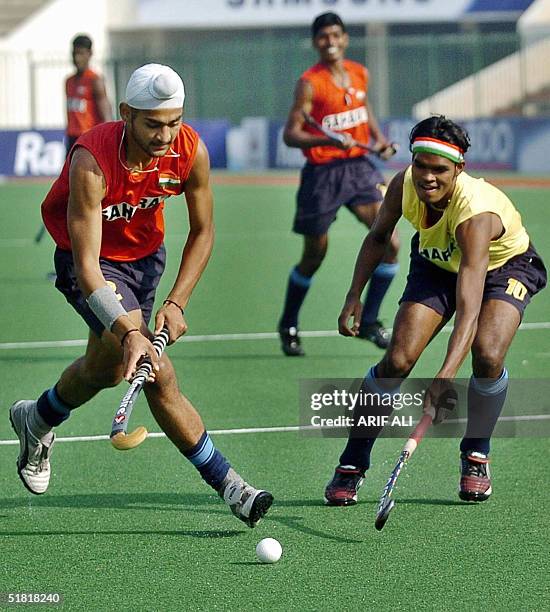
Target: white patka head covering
x: 153, y: 87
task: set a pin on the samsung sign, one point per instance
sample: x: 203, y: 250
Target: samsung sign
x: 261, y: 13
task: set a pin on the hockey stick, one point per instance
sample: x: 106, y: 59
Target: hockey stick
x: 40, y: 234
x: 448, y: 401
x: 384, y: 154
x: 119, y: 438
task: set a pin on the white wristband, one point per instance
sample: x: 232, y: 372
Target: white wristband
x: 104, y: 304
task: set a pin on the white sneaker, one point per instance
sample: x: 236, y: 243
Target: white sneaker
x: 247, y: 503
x: 33, y: 463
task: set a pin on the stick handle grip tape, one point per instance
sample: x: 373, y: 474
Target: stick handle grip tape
x: 418, y: 434
x: 122, y: 416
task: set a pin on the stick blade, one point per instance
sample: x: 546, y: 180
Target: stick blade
x: 122, y: 441
x: 383, y: 515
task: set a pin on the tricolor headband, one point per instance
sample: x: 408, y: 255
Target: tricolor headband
x: 424, y: 144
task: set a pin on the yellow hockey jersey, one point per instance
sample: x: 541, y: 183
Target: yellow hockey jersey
x: 471, y: 196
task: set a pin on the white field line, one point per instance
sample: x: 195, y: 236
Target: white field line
x: 12, y: 243
x: 158, y: 434
x: 4, y: 346
x: 279, y: 429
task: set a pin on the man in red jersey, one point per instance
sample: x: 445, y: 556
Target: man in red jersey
x: 105, y: 214
x: 87, y: 102
x: 337, y: 173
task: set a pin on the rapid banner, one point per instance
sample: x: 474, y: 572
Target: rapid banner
x: 513, y: 144
x: 267, y: 13
x: 27, y: 153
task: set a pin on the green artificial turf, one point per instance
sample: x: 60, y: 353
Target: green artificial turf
x: 140, y: 531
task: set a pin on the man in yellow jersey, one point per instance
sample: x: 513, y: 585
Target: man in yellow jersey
x: 470, y: 255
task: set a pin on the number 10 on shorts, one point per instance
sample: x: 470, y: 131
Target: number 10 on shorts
x: 516, y: 289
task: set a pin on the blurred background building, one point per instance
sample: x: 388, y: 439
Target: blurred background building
x: 474, y: 60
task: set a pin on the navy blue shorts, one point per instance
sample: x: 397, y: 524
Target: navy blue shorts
x: 324, y: 188
x: 516, y: 282
x: 134, y: 283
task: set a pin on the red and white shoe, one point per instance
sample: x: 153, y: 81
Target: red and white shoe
x: 475, y: 477
x: 342, y: 488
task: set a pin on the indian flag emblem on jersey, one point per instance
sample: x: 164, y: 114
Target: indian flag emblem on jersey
x: 170, y: 182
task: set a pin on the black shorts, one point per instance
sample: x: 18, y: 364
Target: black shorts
x: 516, y: 282
x: 134, y: 282
x: 324, y: 188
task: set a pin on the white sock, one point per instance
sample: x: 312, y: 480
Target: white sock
x: 36, y: 423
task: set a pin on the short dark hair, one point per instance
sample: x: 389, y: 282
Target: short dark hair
x: 438, y: 126
x: 325, y: 20
x: 82, y: 41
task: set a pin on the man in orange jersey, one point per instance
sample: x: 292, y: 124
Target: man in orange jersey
x: 337, y: 173
x: 87, y: 102
x: 105, y: 214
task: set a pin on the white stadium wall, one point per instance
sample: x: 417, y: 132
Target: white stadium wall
x: 32, y: 95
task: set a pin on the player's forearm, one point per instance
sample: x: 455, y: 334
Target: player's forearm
x: 377, y: 133
x: 101, y: 298
x: 370, y: 255
x: 458, y: 348
x: 89, y: 277
x: 304, y: 140
x: 374, y: 127
x: 469, y: 296
x: 195, y: 256
x: 85, y: 233
x: 105, y: 111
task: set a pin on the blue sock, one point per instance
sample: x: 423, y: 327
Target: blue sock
x: 485, y: 401
x: 379, y: 284
x: 52, y: 408
x: 359, y: 445
x: 298, y: 286
x: 212, y: 465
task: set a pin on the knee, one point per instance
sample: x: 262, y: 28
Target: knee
x: 311, y: 261
x: 397, y: 363
x: 164, y: 378
x: 487, y: 362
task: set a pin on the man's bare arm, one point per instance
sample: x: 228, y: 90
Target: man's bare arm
x: 371, y: 253
x: 84, y: 221
x: 102, y: 101
x: 473, y: 238
x: 198, y: 247
x: 87, y: 189
x: 294, y: 135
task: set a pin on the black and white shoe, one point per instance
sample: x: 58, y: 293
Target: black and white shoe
x: 290, y: 342
x: 375, y: 333
x: 248, y: 504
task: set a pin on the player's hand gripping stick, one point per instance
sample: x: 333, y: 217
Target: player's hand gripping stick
x: 119, y: 438
x: 383, y: 154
